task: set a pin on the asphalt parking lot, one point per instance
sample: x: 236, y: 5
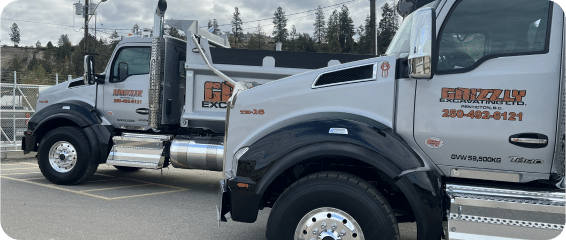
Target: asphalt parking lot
x: 148, y: 204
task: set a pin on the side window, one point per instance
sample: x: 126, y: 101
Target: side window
x: 478, y: 30
x: 136, y: 59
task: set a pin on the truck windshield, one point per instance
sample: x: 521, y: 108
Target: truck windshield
x: 400, y: 43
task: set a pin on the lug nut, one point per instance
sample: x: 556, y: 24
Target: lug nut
x: 315, y: 231
x: 323, y: 225
x: 334, y: 226
x: 342, y: 233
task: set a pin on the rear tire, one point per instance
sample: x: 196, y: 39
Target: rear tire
x: 331, y: 205
x: 127, y: 169
x: 65, y: 156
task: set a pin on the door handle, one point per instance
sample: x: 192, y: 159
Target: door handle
x: 529, y: 140
x: 143, y: 111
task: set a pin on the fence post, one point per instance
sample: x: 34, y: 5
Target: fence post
x: 14, y: 112
x: 69, y: 78
x: 56, y: 78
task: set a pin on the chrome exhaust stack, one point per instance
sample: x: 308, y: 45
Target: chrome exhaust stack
x: 156, y: 68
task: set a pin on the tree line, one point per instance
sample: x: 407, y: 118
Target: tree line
x: 333, y: 35
x: 337, y: 34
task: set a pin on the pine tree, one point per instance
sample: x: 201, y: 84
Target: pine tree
x: 332, y: 29
x: 364, y: 43
x: 319, y: 26
x: 115, y: 37
x: 280, y: 31
x: 387, y: 27
x: 15, y: 34
x: 237, y: 25
x: 215, y: 26
x: 345, y: 30
x: 37, y: 44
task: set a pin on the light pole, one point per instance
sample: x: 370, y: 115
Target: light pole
x: 372, y: 26
x: 86, y: 14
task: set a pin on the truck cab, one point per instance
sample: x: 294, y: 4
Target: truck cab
x: 459, y: 128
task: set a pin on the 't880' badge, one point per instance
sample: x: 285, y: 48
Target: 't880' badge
x: 385, y: 69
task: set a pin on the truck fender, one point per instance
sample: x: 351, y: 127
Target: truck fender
x: 374, y: 144
x: 76, y: 113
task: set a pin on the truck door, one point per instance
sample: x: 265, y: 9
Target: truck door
x: 126, y: 94
x: 492, y: 104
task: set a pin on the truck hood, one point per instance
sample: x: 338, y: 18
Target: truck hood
x: 69, y: 90
x: 322, y: 93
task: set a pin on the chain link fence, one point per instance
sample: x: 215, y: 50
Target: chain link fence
x: 18, y: 103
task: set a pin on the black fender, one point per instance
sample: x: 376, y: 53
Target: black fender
x: 370, y: 142
x: 67, y: 113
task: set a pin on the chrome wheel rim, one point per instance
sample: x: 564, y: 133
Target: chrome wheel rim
x: 328, y: 223
x: 62, y: 156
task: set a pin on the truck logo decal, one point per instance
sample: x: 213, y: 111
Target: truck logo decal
x: 127, y: 96
x: 433, y: 142
x: 523, y: 160
x: 385, y: 69
x: 216, y: 94
x: 127, y: 93
x: 483, y: 96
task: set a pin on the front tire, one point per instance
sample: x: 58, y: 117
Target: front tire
x: 65, y: 156
x: 330, y: 205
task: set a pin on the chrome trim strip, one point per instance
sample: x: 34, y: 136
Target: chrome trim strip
x: 506, y: 195
x: 503, y: 221
x: 529, y: 140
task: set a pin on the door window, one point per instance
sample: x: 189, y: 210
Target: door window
x: 478, y: 30
x: 134, y: 59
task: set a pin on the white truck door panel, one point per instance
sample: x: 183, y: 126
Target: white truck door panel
x: 126, y: 101
x: 497, y: 85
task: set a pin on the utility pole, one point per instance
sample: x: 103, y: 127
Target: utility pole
x: 85, y: 12
x: 372, y: 30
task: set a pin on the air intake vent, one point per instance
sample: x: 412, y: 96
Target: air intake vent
x: 355, y: 74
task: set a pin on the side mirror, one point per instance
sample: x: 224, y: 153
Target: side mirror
x: 89, y: 76
x: 423, y: 44
x: 122, y: 71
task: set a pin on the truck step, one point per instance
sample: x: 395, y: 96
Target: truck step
x: 478, y: 212
x: 138, y: 150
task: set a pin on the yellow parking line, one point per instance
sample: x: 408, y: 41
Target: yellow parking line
x: 7, y: 174
x: 102, y: 189
x: 10, y: 169
x: 33, y: 178
x: 163, y: 185
x: 59, y: 188
x: 148, y: 194
x: 103, y: 180
x: 85, y: 192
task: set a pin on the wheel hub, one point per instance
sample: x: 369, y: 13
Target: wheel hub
x: 62, y: 156
x: 328, y: 224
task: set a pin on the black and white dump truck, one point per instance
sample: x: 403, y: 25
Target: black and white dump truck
x: 161, y: 101
x: 459, y: 128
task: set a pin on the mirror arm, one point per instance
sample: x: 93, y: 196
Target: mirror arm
x: 99, y: 78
